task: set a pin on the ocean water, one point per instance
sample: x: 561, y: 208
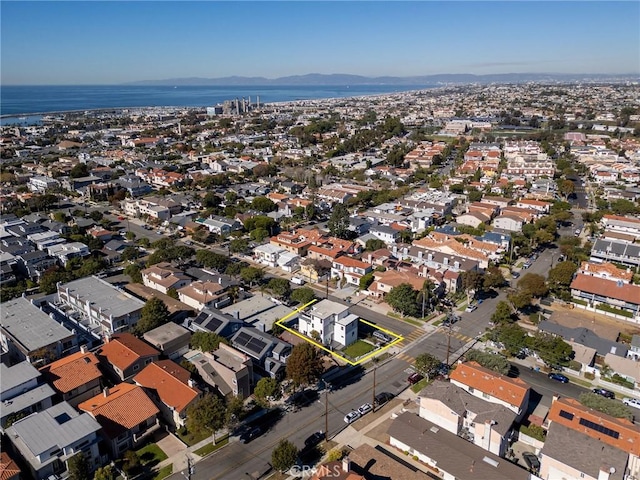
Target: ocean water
x: 25, y: 100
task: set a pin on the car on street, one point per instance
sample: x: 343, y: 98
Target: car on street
x: 414, y: 378
x: 631, y: 402
x: 382, y: 398
x: 382, y: 336
x: 351, y: 416
x: 558, y: 377
x: 251, y: 434
x: 314, y: 439
x: 515, y: 274
x: 364, y: 409
x: 526, y: 265
x: 532, y: 461
x: 471, y: 308
x: 604, y: 392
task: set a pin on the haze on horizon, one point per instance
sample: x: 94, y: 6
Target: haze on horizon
x: 74, y: 43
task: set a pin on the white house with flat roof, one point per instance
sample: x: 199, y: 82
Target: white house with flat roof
x: 331, y: 322
x: 103, y: 306
x: 27, y: 333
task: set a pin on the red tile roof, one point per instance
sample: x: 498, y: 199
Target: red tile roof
x: 72, y: 371
x: 628, y: 434
x: 8, y: 468
x: 124, y: 407
x: 510, y: 390
x: 607, y: 288
x: 123, y: 350
x: 169, y: 380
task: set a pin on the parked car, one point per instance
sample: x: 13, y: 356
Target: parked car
x: 515, y: 274
x: 531, y: 460
x: 526, y: 265
x: 364, y: 409
x: 471, y: 308
x: 382, y: 398
x: 351, y: 416
x: 604, y: 392
x: 382, y: 336
x: 251, y: 434
x: 558, y: 377
x: 631, y: 402
x: 414, y: 378
x: 314, y: 439
x: 297, y: 280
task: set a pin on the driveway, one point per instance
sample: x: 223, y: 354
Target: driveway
x: 170, y: 444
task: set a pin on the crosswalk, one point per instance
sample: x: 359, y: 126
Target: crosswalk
x: 405, y: 357
x: 411, y: 337
x: 460, y: 336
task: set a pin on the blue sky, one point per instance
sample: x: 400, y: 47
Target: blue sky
x: 113, y: 42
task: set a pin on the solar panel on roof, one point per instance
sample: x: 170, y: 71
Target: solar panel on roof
x: 243, y: 338
x: 200, y: 318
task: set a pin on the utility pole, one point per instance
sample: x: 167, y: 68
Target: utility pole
x: 190, y: 469
x: 326, y: 416
x: 449, y: 340
x: 373, y: 397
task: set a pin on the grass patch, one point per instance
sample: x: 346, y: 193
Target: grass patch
x: 437, y: 323
x: 358, y: 349
x: 191, y: 438
x: 151, y: 455
x: 416, y: 387
x: 210, y: 447
x: 616, y: 311
x: 164, y: 472
x: 578, y: 381
x: 409, y: 320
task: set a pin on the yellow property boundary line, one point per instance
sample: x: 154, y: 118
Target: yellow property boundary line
x: 398, y: 338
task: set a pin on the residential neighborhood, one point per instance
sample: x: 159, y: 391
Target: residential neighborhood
x: 432, y: 284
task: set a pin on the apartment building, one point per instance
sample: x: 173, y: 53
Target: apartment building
x: 329, y: 322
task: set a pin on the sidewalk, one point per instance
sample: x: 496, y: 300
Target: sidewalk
x: 179, y: 460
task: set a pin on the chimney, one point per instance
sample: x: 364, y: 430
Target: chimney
x: 191, y: 383
x: 554, y: 398
x: 346, y: 465
x: 105, y: 392
x: 236, y: 314
x: 84, y: 349
x: 604, y: 472
x: 395, y: 250
x: 446, y: 261
x: 420, y: 254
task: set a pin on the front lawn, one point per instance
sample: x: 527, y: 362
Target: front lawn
x: 151, y: 455
x: 191, y: 438
x: 358, y: 349
x: 210, y: 447
x: 416, y: 387
x: 164, y: 472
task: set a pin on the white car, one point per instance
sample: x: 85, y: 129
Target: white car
x: 364, y: 409
x: 471, y: 308
x: 631, y: 402
x: 351, y: 416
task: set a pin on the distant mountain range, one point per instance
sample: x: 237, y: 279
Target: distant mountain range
x: 345, y: 79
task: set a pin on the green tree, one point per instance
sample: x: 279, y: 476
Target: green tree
x: 566, y: 188
x: 303, y: 295
x: 279, y: 287
x: 561, y: 275
x: 488, y: 360
x: 472, y: 281
x: 366, y: 280
x: 403, y: 299
x: 78, y: 467
x: 130, y: 236
x: 512, y: 336
x: 493, y: 278
x: 534, y: 284
x: 234, y: 409
x: 502, y: 313
x: 374, y: 244
x: 131, y: 462
x: 338, y: 223
x: 551, y: 349
x: 304, y: 365
x: 206, y: 415
x: 238, y: 245
x: 263, y: 204
x: 79, y: 170
x: 213, y: 260
x: 284, y: 456
x: 130, y: 253
x: 251, y: 275
x: 266, y: 387
x: 520, y: 299
x: 623, y: 207
x: 134, y: 272
x: 153, y: 314
x: 206, y: 341
x: 104, y: 473
x: 173, y: 293
x: 427, y: 364
x: 50, y: 278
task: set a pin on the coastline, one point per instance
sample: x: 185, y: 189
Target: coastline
x: 217, y: 98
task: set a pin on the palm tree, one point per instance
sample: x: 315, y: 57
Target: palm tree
x: 425, y: 294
